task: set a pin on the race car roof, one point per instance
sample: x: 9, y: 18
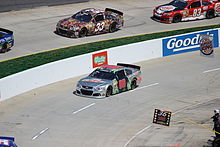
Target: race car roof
x: 110, y: 67
x: 92, y: 11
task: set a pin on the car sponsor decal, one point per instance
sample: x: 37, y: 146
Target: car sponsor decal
x: 122, y: 83
x: 185, y: 13
x: 99, y: 59
x: 4, y: 142
x: 186, y: 43
x: 167, y: 8
x: 90, y: 80
x: 205, y: 8
x: 217, y: 7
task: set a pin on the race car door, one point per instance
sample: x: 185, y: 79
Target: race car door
x: 195, y: 10
x: 99, y: 23
x: 122, y: 80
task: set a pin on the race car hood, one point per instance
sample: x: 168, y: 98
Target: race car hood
x: 165, y: 8
x: 93, y: 82
x: 70, y: 22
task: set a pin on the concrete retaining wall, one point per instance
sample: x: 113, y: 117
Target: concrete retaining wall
x: 72, y: 67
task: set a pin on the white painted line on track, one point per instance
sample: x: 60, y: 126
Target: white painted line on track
x: 211, y: 70
x: 137, y: 135
x: 83, y: 108
x: 40, y: 133
x: 154, y: 84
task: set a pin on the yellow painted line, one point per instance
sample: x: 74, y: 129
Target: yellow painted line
x: 190, y: 121
x: 106, y: 40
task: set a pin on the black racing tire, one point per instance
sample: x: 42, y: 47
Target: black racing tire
x: 4, y: 48
x: 133, y: 84
x: 108, y: 92
x: 70, y: 34
x: 112, y: 27
x: 210, y: 14
x: 177, y: 18
x: 216, y: 142
x: 83, y: 32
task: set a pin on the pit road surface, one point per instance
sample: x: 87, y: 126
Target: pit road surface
x: 34, y: 28
x: 186, y: 84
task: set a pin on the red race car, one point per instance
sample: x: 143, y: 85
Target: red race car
x: 184, y: 10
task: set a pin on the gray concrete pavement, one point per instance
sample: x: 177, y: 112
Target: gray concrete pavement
x: 12, y: 5
x: 34, y: 28
x: 68, y: 120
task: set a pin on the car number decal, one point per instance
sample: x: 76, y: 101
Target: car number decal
x: 99, y: 26
x: 197, y: 12
x: 122, y: 83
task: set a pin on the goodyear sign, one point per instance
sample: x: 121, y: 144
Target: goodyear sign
x: 187, y: 43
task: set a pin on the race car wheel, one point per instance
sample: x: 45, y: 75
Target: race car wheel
x: 108, y: 92
x: 70, y: 34
x: 133, y: 84
x: 112, y: 28
x: 216, y: 142
x: 210, y: 14
x: 83, y: 32
x: 177, y: 18
x: 4, y: 48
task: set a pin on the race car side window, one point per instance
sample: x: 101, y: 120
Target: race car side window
x: 99, y: 17
x: 109, y: 16
x: 195, y: 5
x: 206, y: 3
x: 120, y: 74
x: 128, y: 72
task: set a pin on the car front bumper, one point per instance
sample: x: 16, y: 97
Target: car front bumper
x: 162, y: 18
x: 90, y: 93
x: 66, y: 32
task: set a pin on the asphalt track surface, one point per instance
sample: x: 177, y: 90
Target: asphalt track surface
x: 34, y: 28
x: 187, y: 85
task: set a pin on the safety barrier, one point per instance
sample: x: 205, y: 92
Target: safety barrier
x: 72, y: 67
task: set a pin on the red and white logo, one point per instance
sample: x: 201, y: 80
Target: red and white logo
x: 100, y: 59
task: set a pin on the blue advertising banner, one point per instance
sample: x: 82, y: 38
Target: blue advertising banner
x: 187, y: 43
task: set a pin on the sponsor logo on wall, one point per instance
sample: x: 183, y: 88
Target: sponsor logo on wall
x: 100, y: 59
x: 187, y: 43
x: 206, y: 44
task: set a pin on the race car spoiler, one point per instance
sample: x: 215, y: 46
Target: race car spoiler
x: 8, y: 138
x: 129, y: 65
x: 114, y: 11
x: 7, y: 31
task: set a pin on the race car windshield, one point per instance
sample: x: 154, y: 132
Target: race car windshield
x: 181, y: 4
x: 84, y: 17
x: 102, y: 75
